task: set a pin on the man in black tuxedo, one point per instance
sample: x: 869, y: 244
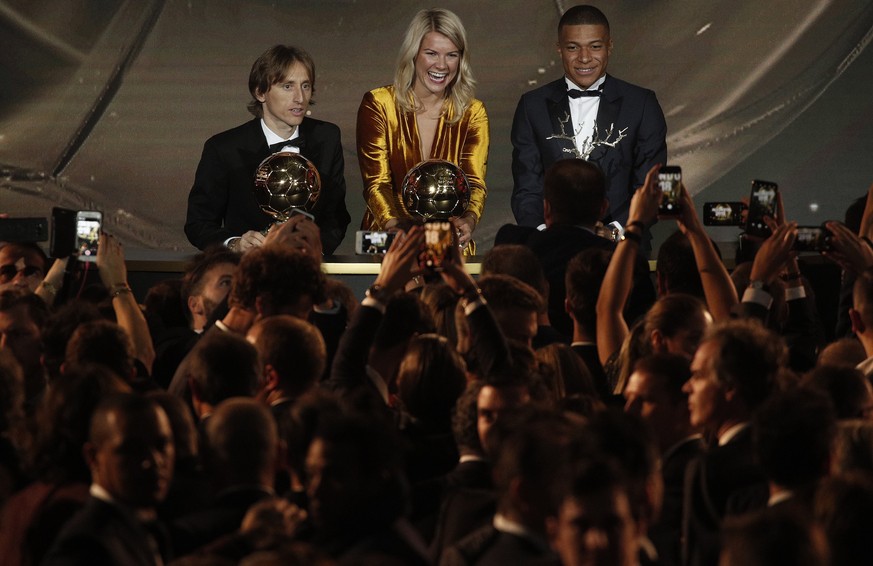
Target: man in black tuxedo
x: 585, y: 105
x: 130, y: 453
x: 732, y: 374
x: 221, y: 206
x: 574, y: 197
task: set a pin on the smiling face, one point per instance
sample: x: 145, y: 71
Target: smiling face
x: 286, y: 102
x: 584, y: 51
x: 436, y: 65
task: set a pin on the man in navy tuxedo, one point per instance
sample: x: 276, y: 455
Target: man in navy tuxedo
x: 583, y: 106
x: 221, y: 206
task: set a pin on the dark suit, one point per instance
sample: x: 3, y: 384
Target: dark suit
x: 489, y: 546
x: 710, y: 481
x: 222, y: 205
x: 555, y: 247
x: 621, y: 104
x: 103, y: 533
x: 220, y: 517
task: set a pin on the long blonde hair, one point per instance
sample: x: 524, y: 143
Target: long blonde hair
x: 460, y: 93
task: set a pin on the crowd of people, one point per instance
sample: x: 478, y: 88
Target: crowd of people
x: 255, y: 411
x: 567, y: 406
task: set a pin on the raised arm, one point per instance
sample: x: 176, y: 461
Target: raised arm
x: 718, y: 288
x: 113, y: 273
x: 611, y: 326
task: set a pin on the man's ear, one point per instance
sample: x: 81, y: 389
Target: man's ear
x: 552, y: 531
x: 657, y: 340
x: 89, y: 453
x: 260, y: 96
x: 195, y: 305
x: 604, y: 207
x: 271, y: 378
x: 547, y: 212
x: 858, y: 326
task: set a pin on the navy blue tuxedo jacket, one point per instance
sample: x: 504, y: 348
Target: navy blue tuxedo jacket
x: 622, y: 105
x: 222, y: 205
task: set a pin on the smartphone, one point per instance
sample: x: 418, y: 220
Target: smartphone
x: 812, y: 239
x: 437, y: 241
x: 88, y: 224
x: 23, y: 229
x: 369, y: 243
x: 762, y: 202
x: 301, y: 212
x: 723, y: 213
x: 669, y: 179
x: 63, y: 238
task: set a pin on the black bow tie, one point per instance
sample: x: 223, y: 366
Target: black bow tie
x: 576, y: 93
x: 296, y: 142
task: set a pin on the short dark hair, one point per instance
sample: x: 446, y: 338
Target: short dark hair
x: 747, y: 357
x: 36, y: 308
x: 677, y: 268
x: 270, y: 69
x: 583, y: 15
x: 505, y: 292
x: 846, y: 387
x: 295, y: 349
x: 516, y: 261
x: 793, y: 433
x: 575, y: 190
x: 583, y: 280
x: 224, y: 365
x: 670, y: 370
x: 104, y: 343
x: 279, y: 275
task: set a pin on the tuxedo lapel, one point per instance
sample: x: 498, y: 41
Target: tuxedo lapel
x: 607, y: 114
x: 558, y: 104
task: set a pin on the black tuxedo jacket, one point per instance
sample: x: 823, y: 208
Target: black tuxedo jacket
x: 555, y: 247
x: 102, y: 533
x: 490, y: 547
x: 710, y: 480
x: 221, y: 203
x: 622, y: 105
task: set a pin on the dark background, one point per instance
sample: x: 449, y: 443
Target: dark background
x: 106, y: 103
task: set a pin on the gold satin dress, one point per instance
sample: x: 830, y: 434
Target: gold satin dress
x: 389, y: 146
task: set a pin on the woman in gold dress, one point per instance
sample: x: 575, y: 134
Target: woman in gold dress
x: 428, y: 113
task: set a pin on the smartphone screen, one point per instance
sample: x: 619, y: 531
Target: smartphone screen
x: 437, y: 240
x: 762, y: 202
x: 88, y: 223
x: 812, y: 239
x: 669, y: 179
x: 369, y: 243
x: 723, y: 213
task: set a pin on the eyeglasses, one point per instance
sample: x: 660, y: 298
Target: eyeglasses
x: 8, y: 272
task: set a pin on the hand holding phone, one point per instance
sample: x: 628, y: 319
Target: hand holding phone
x: 669, y: 181
x: 812, y: 239
x: 88, y: 226
x: 762, y: 202
x: 438, y: 238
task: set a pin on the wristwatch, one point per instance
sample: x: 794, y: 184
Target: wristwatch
x: 377, y: 293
